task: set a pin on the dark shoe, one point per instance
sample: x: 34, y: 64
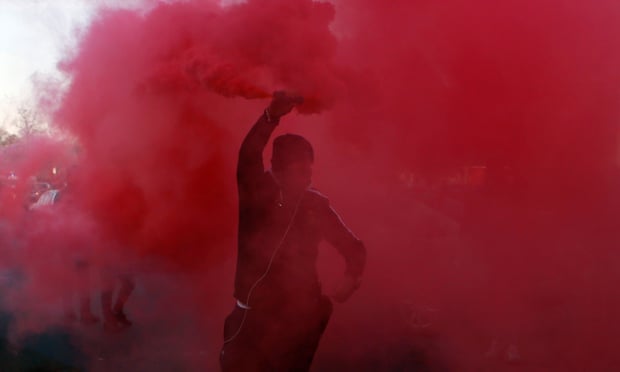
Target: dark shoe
x: 121, y: 318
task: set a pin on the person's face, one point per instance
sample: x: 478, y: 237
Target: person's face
x: 295, y: 177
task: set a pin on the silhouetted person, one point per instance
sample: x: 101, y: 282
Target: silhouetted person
x: 281, y: 311
x: 81, y: 284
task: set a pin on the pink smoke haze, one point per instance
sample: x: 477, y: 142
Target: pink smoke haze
x: 472, y: 145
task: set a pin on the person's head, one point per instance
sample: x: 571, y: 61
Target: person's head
x: 291, y: 162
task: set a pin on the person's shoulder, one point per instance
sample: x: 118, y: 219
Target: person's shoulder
x: 316, y: 197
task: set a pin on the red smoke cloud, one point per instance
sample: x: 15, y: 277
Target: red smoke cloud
x: 405, y: 91
x: 148, y: 120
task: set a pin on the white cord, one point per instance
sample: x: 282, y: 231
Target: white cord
x: 262, y: 277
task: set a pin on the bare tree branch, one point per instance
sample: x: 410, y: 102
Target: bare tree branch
x: 28, y: 121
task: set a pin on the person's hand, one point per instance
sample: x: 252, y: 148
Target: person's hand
x: 282, y: 103
x: 346, y: 288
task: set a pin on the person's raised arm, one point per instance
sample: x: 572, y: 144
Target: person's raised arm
x: 250, y: 165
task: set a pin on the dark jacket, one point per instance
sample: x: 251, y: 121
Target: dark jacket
x: 263, y: 222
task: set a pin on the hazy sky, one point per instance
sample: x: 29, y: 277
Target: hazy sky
x: 33, y: 37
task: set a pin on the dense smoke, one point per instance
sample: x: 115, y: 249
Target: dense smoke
x: 511, y: 267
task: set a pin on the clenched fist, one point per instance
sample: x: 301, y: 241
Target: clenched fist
x: 282, y: 103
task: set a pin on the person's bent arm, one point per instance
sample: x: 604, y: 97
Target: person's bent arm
x: 350, y: 247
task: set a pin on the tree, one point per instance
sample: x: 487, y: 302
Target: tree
x: 7, y: 138
x: 29, y: 122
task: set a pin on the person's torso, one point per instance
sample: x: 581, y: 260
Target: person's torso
x: 281, y: 239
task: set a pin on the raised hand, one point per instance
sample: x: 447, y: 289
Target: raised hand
x: 282, y: 103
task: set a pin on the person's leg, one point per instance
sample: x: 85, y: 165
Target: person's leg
x: 83, y: 272
x: 68, y: 296
x: 301, y: 356
x: 243, y: 335
x: 69, y: 311
x: 108, y: 284
x: 106, y: 303
x: 126, y: 288
x: 86, y: 315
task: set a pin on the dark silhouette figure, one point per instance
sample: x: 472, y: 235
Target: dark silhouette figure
x: 281, y: 311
